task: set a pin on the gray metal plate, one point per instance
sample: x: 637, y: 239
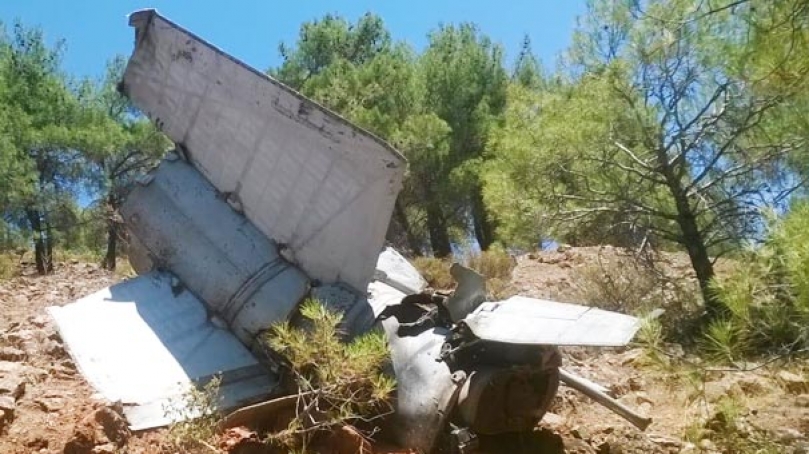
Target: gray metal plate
x: 303, y: 175
x: 522, y: 320
x: 138, y: 343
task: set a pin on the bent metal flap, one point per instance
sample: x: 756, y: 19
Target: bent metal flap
x: 305, y: 177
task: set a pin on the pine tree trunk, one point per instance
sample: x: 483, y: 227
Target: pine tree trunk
x: 401, y: 218
x: 43, y: 250
x: 439, y: 237
x: 110, y: 257
x: 701, y: 263
x: 484, y: 227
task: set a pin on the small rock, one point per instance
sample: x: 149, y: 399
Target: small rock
x: 753, y: 384
x: 675, y: 350
x: 635, y: 383
x: 688, y: 448
x: 12, y: 385
x: 24, y: 340
x: 788, y: 435
x: 235, y: 438
x: 12, y: 354
x: 576, y: 446
x: 50, y: 404
x: 716, y: 390
x: 707, y: 445
x: 802, y: 400
x: 347, y: 440
x: 7, y: 407
x: 54, y: 349
x: 580, y: 433
x: 37, y: 443
x: 553, y: 421
x: 106, y: 448
x: 793, y: 383
x: 7, y: 403
x: 609, y: 447
x: 40, y: 321
x: 115, y: 426
x: 631, y: 356
x: 82, y: 442
x: 664, y: 440
x: 641, y: 397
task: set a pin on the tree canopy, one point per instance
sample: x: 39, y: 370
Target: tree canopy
x: 666, y: 125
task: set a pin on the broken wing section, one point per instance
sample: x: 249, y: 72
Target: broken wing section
x: 139, y: 343
x: 523, y: 320
x: 304, y: 176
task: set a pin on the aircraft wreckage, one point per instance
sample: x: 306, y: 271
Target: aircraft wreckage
x: 268, y: 199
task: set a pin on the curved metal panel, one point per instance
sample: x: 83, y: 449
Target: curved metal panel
x: 303, y: 175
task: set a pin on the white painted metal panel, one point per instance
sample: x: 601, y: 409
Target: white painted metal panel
x: 179, y: 218
x: 395, y: 270
x: 304, y: 176
x: 138, y: 343
x: 522, y: 320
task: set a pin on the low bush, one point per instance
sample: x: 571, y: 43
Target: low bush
x: 496, y: 265
x: 338, y: 383
x: 767, y: 295
x: 625, y: 283
x: 8, y: 266
x: 196, y: 417
x: 435, y: 271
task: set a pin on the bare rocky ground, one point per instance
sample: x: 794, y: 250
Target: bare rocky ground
x: 46, y: 406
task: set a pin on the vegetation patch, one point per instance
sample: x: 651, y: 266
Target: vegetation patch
x: 339, y: 384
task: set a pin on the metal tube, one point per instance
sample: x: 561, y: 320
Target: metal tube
x: 586, y: 388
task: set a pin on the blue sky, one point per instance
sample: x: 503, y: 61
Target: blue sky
x: 251, y: 30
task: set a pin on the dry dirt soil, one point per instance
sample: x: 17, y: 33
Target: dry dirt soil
x: 46, y: 406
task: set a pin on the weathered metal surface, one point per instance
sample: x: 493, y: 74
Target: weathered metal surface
x: 303, y: 175
x: 179, y: 218
x: 142, y: 344
x: 361, y: 309
x: 497, y: 400
x: 468, y: 295
x: 395, y: 270
x: 522, y: 320
x: 426, y: 389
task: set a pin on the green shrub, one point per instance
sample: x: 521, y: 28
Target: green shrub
x: 338, y: 383
x: 727, y: 429
x: 767, y: 295
x: 8, y: 266
x: 196, y: 417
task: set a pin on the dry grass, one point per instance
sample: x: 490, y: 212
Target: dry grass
x: 435, y: 271
x: 617, y: 284
x: 495, y: 265
x: 9, y: 266
x: 623, y: 283
x: 197, y: 418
